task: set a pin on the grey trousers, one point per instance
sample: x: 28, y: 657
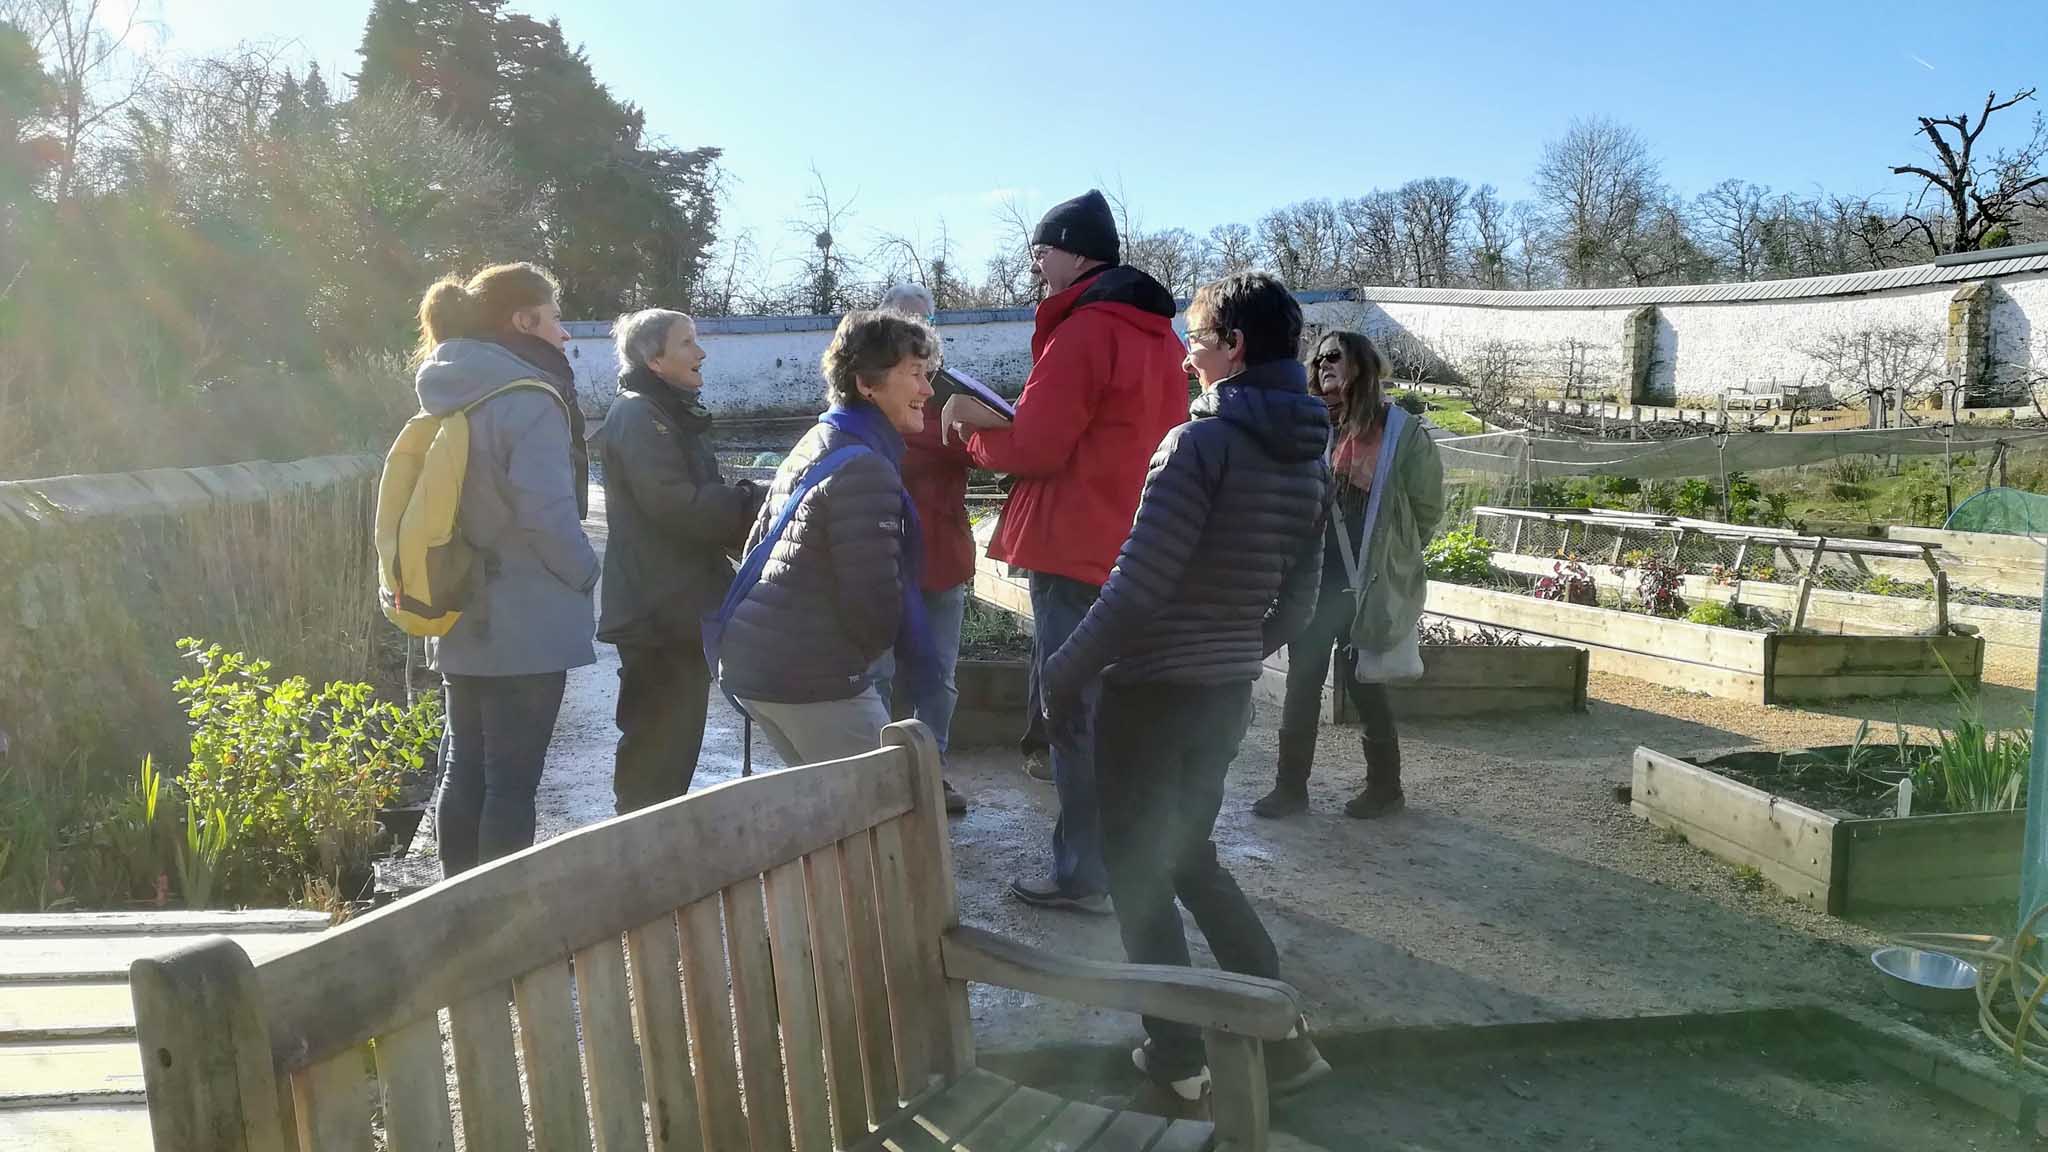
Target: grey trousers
x: 829, y: 730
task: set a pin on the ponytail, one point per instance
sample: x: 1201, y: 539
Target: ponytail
x: 455, y: 310
x: 447, y: 312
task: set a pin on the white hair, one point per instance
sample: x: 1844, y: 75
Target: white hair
x: 641, y: 336
x: 910, y: 298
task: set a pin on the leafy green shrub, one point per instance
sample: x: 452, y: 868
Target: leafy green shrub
x: 1715, y: 613
x: 1694, y: 499
x: 284, y: 782
x: 1412, y: 402
x: 1459, y: 556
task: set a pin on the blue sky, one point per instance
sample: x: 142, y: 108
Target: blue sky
x: 1207, y: 112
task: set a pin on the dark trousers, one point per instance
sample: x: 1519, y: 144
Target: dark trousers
x: 1034, y: 739
x: 1164, y: 750
x: 664, y: 693
x: 1308, y: 669
x: 1057, y: 606
x: 495, y: 747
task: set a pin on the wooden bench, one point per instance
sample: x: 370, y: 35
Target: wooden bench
x: 773, y: 963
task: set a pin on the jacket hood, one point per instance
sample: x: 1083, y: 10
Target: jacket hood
x: 1271, y: 402
x: 461, y: 372
x: 1123, y: 284
x: 1126, y: 293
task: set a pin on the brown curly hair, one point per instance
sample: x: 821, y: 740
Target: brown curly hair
x: 869, y: 344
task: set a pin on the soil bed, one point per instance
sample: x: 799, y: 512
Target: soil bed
x: 1848, y: 778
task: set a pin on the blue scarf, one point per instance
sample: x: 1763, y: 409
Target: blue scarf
x: 916, y: 655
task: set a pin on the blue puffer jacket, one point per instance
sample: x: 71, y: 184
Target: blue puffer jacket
x: 1222, y: 565
x: 830, y: 598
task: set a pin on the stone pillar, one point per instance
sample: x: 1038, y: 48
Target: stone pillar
x: 1969, y: 342
x: 1638, y: 353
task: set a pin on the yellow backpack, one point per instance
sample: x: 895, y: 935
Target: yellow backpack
x: 424, y: 566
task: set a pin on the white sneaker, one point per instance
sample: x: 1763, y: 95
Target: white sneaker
x: 1189, y: 1088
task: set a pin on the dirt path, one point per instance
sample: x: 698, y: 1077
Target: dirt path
x: 1514, y: 888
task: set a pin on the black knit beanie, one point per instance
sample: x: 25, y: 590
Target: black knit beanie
x: 1084, y: 226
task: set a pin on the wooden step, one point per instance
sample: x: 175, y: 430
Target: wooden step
x: 93, y: 958
x: 101, y: 1010
x: 94, y: 1127
x: 162, y: 923
x: 70, y: 1072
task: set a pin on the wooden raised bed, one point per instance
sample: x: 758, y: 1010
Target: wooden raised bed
x: 1837, y: 863
x: 993, y: 697
x: 1462, y: 680
x: 1760, y: 667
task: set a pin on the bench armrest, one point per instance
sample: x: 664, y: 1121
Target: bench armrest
x: 1220, y: 1001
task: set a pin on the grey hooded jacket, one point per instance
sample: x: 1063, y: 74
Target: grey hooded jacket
x: 532, y: 612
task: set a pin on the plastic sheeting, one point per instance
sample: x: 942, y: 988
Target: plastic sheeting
x: 1533, y: 457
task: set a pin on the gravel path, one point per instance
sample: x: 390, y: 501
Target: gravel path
x: 1513, y: 888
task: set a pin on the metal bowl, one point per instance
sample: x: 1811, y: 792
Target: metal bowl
x: 1935, y: 981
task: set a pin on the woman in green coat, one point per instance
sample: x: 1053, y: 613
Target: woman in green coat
x: 1346, y: 370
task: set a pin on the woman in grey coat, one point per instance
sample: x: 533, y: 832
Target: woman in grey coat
x: 506, y: 661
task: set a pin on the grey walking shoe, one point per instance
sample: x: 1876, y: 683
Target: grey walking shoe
x: 1038, y: 765
x: 1047, y: 894
x: 1294, y: 1063
x: 956, y: 804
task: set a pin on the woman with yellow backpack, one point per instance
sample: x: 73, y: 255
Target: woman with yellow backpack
x: 481, y: 545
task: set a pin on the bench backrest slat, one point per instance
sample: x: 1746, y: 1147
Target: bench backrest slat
x: 755, y: 966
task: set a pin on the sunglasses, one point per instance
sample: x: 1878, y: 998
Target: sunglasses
x: 1331, y: 357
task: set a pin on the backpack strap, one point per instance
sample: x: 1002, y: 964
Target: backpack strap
x: 514, y: 387
x: 757, y: 558
x: 1382, y: 471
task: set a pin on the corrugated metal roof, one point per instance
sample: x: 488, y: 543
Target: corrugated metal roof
x: 1848, y: 284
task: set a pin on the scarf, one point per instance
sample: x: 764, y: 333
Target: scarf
x: 1356, y: 455
x: 684, y: 407
x: 916, y: 654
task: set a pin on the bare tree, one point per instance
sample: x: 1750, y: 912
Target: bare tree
x: 1979, y: 197
x: 1731, y: 216
x: 1600, y: 183
x: 734, y: 267
x: 929, y: 263
x: 1301, y: 242
x: 1488, y: 255
x: 1662, y: 249
x: 97, y: 72
x: 827, y: 270
x: 1532, y: 243
x: 1174, y: 257
x: 1432, y: 213
x: 1375, y: 248
x: 1232, y: 249
x: 1898, y: 361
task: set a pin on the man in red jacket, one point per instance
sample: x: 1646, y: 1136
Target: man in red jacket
x: 1106, y: 385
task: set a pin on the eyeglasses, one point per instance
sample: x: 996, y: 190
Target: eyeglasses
x: 1331, y: 357
x: 1205, y: 335
x: 1040, y: 251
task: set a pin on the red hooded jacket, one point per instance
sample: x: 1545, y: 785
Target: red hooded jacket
x: 1107, y: 384
x: 935, y: 475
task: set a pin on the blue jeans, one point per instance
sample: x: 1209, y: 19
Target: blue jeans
x: 1057, y: 606
x: 943, y: 612
x: 496, y: 745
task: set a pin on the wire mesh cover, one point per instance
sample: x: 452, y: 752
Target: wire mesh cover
x: 1727, y: 557
x: 1536, y: 457
x: 2011, y: 511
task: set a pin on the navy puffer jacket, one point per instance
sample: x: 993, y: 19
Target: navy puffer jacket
x: 829, y: 600
x: 1222, y: 565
